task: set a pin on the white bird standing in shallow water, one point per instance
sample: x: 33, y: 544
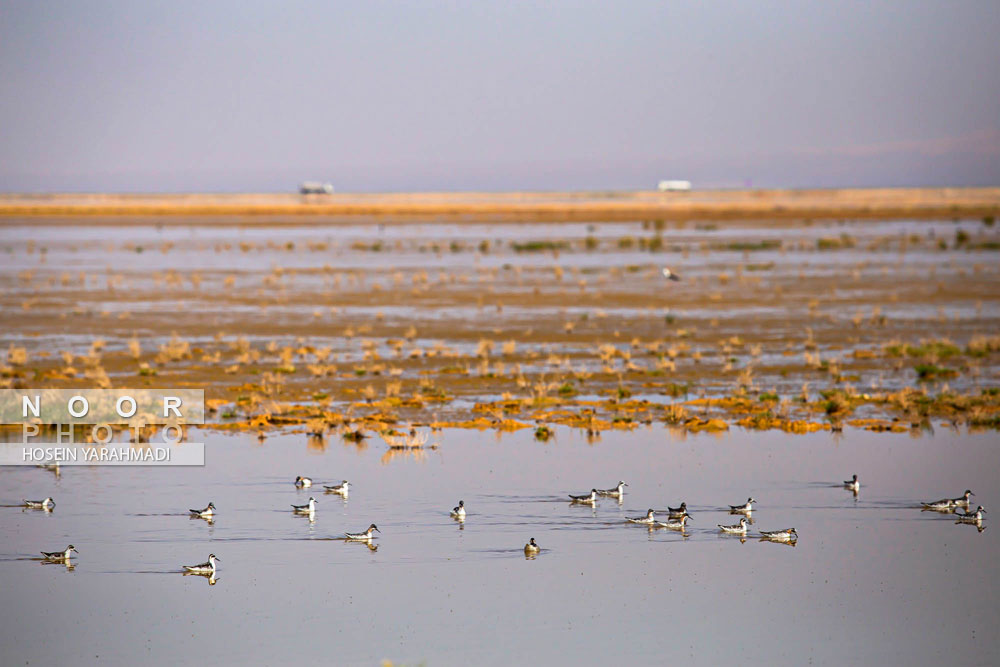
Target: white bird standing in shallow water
x: 670, y: 275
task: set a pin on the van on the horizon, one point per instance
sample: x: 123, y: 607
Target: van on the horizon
x: 316, y: 188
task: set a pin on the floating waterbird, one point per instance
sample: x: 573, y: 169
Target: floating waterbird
x: 205, y: 513
x: 59, y: 555
x: 742, y: 509
x: 972, y: 517
x: 675, y: 523
x: 204, y: 568
x: 308, y: 508
x: 738, y: 529
x: 616, y: 492
x: 648, y: 519
x: 367, y: 535
x: 303, y: 482
x: 949, y: 504
x: 588, y: 499
x: 459, y: 512
x: 670, y: 275
x: 677, y: 512
x: 341, y: 489
x: 780, y: 535
x: 853, y: 484
x: 46, y: 504
x: 530, y: 549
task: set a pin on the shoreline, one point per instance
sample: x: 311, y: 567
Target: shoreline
x: 883, y: 203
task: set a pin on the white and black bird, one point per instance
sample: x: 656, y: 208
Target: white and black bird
x: 530, y: 549
x: 303, y: 482
x: 949, y: 504
x: 616, y: 492
x: 46, y: 504
x: 459, y: 512
x: 742, y: 509
x: 206, y: 513
x: 365, y: 536
x: 852, y: 484
x: 670, y: 275
x: 588, y: 499
x: 61, y: 556
x: 203, y: 568
x: 308, y: 508
x: 341, y: 489
x: 786, y: 535
x: 738, y: 529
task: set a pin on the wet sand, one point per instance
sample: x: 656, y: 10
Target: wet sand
x: 884, y: 203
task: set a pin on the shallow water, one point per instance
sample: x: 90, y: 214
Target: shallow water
x: 871, y: 579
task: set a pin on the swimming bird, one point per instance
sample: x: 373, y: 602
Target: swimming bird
x: 972, y: 517
x: 742, y: 509
x: 303, y: 482
x: 648, y: 519
x: 588, y: 499
x: 367, y: 535
x: 341, y: 489
x: 853, y: 484
x: 675, y: 523
x: 459, y: 512
x: 530, y: 549
x: 738, y: 529
x: 949, y: 504
x: 785, y: 535
x: 46, y: 504
x: 616, y: 492
x: 308, y: 508
x: 59, y: 555
x: 677, y: 512
x: 670, y: 275
x: 205, y: 513
x: 204, y: 568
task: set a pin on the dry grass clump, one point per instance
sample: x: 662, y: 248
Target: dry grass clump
x: 17, y: 356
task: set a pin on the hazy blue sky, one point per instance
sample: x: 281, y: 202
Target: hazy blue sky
x: 247, y: 96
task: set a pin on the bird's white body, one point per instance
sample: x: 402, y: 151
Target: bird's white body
x: 743, y: 509
x: 341, y: 489
x: 459, y: 512
x: 786, y: 535
x: 650, y: 518
x: 365, y: 536
x: 585, y: 500
x: 738, y: 529
x: 303, y: 482
x: 60, y: 555
x: 46, y: 504
x: 205, y: 513
x: 203, y: 568
x: 308, y: 508
x: 616, y: 492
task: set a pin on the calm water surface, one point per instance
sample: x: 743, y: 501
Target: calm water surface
x: 871, y: 580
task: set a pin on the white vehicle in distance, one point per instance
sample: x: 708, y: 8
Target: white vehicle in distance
x: 316, y: 188
x: 674, y: 186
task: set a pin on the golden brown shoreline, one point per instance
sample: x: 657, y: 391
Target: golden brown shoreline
x: 884, y: 203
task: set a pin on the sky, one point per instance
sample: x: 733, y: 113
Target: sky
x: 245, y: 96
